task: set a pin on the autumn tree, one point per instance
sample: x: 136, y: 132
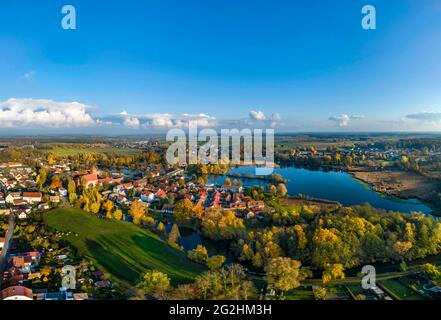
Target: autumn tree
x: 199, y: 255
x: 333, y: 272
x: 118, y: 214
x: 108, y: 205
x: 183, y: 210
x: 137, y: 211
x: 55, y: 183
x: 174, y: 234
x: 283, y: 273
x: 215, y: 262
x: 155, y: 283
x: 281, y: 190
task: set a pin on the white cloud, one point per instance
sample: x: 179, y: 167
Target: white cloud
x: 165, y: 120
x: 29, y: 75
x: 42, y: 112
x: 257, y: 115
x: 343, y: 120
x: 425, y: 116
x: 131, y: 122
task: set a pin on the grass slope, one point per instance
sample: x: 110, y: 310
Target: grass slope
x: 122, y: 249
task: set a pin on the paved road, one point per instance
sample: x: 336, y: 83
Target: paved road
x: 4, y: 253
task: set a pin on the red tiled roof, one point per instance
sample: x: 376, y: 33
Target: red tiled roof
x: 90, y: 177
x: 32, y: 194
x: 15, y: 291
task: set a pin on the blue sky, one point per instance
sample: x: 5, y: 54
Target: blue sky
x: 299, y: 65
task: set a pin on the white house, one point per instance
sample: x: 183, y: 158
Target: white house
x: 147, y: 196
x: 32, y: 197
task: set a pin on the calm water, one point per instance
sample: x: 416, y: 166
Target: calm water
x: 335, y: 186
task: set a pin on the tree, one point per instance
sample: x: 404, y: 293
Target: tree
x: 174, y: 234
x: 199, y: 255
x: 281, y: 190
x: 118, y: 214
x: 333, y: 272
x: 183, y: 210
x: 95, y: 207
x: 283, y: 273
x: 137, y: 211
x: 160, y: 227
x: 71, y: 187
x: 155, y: 283
x: 42, y: 178
x: 108, y: 205
x: 215, y: 262
x: 55, y: 183
x: 272, y: 189
x: 320, y: 293
x: 72, y: 198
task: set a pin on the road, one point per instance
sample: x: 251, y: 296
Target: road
x: 4, y: 253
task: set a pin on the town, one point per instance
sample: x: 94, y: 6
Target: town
x: 97, y: 206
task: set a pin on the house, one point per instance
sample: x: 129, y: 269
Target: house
x: 81, y: 296
x: 32, y: 197
x: 4, y: 211
x: 12, y: 196
x: 54, y: 199
x: 22, y: 215
x: 43, y: 206
x: 88, y: 180
x: 2, y: 243
x: 62, y: 192
x: 147, y: 196
x: 256, y: 205
x: 16, y: 293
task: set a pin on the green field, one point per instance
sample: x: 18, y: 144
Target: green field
x: 399, y: 290
x: 72, y: 150
x: 122, y: 249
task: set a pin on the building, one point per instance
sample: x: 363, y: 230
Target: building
x: 12, y: 196
x: 2, y: 243
x: 32, y: 197
x: 88, y: 180
x: 16, y: 293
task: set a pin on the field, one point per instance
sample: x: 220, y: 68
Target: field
x: 73, y: 150
x: 398, y: 289
x: 122, y: 249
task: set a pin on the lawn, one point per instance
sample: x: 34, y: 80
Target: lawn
x: 72, y: 150
x: 300, y: 293
x: 122, y: 249
x: 399, y: 290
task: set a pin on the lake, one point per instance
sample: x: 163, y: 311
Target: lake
x: 330, y: 185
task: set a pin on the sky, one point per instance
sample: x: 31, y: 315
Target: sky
x: 144, y: 66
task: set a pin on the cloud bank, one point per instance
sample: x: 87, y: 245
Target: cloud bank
x: 46, y: 113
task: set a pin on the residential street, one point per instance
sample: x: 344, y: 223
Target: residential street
x: 4, y: 253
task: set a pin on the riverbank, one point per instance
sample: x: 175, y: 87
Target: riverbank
x: 400, y: 184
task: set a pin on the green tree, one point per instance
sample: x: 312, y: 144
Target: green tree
x: 215, y: 262
x: 283, y: 274
x: 199, y: 255
x: 155, y: 283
